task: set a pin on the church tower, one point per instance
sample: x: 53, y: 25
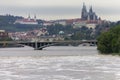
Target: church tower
x: 90, y: 10
x: 92, y: 14
x: 84, y: 13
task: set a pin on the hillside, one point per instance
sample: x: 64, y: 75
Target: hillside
x: 7, y: 23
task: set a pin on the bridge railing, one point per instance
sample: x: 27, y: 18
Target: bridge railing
x: 67, y: 41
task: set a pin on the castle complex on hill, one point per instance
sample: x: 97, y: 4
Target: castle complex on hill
x: 88, y: 19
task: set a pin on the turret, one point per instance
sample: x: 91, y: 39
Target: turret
x: 35, y: 17
x: 88, y: 18
x: 94, y: 17
x: 29, y: 17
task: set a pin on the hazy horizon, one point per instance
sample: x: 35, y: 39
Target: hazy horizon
x: 60, y: 9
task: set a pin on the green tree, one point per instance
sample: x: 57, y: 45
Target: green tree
x: 109, y: 42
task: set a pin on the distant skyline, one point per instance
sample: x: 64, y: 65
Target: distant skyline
x: 60, y: 9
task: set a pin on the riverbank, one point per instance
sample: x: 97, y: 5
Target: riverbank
x: 110, y: 54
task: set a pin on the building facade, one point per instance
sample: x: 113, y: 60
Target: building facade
x: 3, y: 34
x: 28, y: 20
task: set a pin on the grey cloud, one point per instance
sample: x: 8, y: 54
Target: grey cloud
x: 43, y: 10
x: 58, y: 11
x: 108, y: 10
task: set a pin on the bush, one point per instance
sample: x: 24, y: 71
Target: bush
x: 109, y: 42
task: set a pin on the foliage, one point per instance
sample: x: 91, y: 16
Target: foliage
x: 8, y: 19
x: 109, y: 42
x: 82, y: 33
x: 7, y: 23
x: 5, y: 39
x: 55, y: 29
x: 76, y: 33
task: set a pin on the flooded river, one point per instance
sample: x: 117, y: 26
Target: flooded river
x: 58, y: 63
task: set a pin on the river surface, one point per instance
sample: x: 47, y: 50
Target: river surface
x: 58, y: 63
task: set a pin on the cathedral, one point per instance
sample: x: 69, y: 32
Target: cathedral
x: 88, y: 15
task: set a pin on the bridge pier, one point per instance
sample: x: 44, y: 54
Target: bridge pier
x: 38, y: 48
x: 93, y: 43
x: 36, y: 45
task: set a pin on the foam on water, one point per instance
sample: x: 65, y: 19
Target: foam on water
x: 58, y: 63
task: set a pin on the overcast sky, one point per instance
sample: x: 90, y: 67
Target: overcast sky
x: 60, y: 9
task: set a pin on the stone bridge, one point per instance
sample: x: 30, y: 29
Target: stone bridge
x: 41, y: 45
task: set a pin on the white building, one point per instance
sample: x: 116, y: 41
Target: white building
x: 27, y: 21
x: 91, y: 25
x: 88, y: 24
x: 79, y: 24
x: 62, y: 22
x: 47, y: 23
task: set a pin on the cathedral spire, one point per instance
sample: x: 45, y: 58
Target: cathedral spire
x: 83, y: 3
x: 84, y: 7
x: 91, y: 10
x: 84, y: 13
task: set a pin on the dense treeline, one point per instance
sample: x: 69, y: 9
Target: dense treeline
x: 109, y: 42
x: 7, y: 23
x: 8, y: 19
x: 76, y: 33
x: 5, y: 39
